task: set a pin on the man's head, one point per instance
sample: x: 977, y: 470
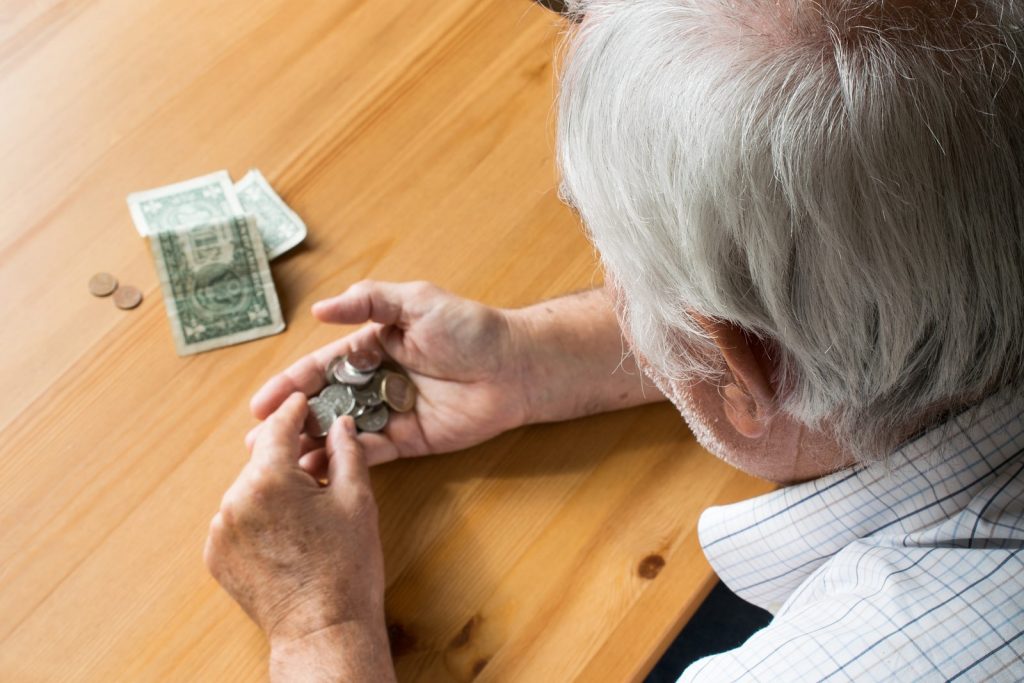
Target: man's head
x: 813, y: 212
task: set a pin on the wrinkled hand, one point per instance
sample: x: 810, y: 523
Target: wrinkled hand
x: 465, y: 358
x: 300, y: 558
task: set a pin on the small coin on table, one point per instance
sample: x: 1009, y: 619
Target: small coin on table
x: 127, y: 297
x: 102, y: 284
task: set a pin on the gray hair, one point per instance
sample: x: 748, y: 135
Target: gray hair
x: 842, y: 179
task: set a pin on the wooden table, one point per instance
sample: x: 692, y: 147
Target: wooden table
x: 416, y: 140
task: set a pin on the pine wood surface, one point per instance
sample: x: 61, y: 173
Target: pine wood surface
x: 416, y: 140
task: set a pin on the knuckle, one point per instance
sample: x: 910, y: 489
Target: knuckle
x: 262, y: 477
x: 424, y: 288
x: 212, y: 548
x: 230, y: 519
x: 210, y: 559
x: 363, y: 286
x: 232, y: 507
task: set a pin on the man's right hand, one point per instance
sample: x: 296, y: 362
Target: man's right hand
x: 468, y: 361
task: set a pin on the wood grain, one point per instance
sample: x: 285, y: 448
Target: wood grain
x: 416, y: 141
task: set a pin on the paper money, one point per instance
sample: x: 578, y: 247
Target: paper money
x: 215, y: 280
x: 191, y: 202
x: 280, y: 227
x: 210, y: 197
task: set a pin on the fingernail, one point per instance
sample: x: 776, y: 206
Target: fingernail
x: 350, y: 426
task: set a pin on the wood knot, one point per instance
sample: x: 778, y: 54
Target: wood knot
x: 650, y: 566
x: 478, y: 666
x: 402, y: 642
x: 463, y: 636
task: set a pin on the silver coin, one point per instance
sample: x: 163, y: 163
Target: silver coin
x: 321, y: 417
x: 340, y: 397
x: 330, y: 373
x: 363, y: 361
x: 373, y: 420
x: 369, y: 395
x: 344, y: 375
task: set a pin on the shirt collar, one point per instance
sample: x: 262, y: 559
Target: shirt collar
x: 765, y: 547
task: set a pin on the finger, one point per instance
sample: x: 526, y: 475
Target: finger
x: 346, y: 460
x: 391, y: 339
x: 277, y: 441
x: 314, y: 463
x: 378, y: 448
x: 307, y: 374
x: 387, y: 303
x: 306, y: 442
x: 250, y: 437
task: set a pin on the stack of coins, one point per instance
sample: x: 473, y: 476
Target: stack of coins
x: 359, y: 386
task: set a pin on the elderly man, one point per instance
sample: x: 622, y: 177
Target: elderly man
x: 811, y: 215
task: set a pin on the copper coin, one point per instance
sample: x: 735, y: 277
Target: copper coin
x: 127, y: 297
x: 102, y: 284
x: 398, y: 392
x: 364, y: 360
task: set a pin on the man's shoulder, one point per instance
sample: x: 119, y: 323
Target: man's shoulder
x: 880, y: 611
x: 958, y: 486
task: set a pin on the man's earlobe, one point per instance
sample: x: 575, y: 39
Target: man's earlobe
x: 746, y: 390
x: 743, y: 411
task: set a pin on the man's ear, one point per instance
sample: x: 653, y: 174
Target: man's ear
x: 749, y: 399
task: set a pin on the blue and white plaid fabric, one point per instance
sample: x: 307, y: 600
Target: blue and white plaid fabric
x: 909, y: 572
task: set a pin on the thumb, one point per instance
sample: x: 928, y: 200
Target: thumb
x: 278, y: 437
x: 379, y: 302
x: 392, y: 340
x: 346, y: 460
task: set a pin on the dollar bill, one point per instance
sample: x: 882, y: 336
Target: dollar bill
x: 210, y: 197
x: 280, y: 227
x: 191, y: 202
x: 216, y: 284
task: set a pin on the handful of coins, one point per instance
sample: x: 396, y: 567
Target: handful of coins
x: 358, y: 386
